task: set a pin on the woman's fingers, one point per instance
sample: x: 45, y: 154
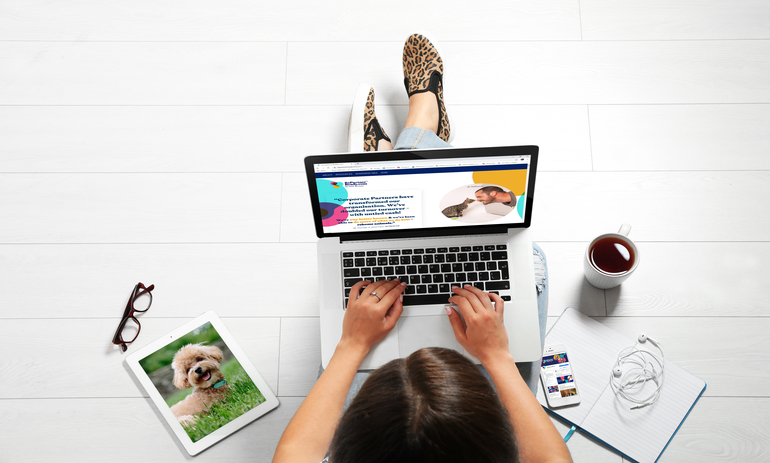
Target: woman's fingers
x: 481, y: 296
x: 382, y: 294
x: 392, y: 316
x: 392, y: 290
x: 476, y: 295
x: 463, y: 305
x: 484, y: 332
x: 372, y: 287
x: 499, y: 304
x: 463, y: 293
x: 457, y: 326
x: 373, y: 313
x: 471, y: 301
x: 355, y: 291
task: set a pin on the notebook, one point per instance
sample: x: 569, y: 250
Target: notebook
x: 639, y: 435
x: 436, y: 219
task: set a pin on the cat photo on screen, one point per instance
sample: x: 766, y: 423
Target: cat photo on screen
x: 477, y: 203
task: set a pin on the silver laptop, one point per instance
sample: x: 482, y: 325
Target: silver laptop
x: 435, y: 219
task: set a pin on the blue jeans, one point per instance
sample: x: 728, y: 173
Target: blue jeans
x: 530, y: 371
x: 414, y: 138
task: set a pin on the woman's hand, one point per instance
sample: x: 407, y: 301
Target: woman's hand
x: 483, y: 334
x: 373, y: 313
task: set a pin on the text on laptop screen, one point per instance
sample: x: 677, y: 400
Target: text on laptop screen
x: 425, y: 193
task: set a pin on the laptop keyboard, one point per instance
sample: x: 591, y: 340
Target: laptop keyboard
x: 430, y: 273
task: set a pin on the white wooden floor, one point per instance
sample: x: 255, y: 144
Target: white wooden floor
x: 162, y: 142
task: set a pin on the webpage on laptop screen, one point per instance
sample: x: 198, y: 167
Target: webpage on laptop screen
x: 427, y: 193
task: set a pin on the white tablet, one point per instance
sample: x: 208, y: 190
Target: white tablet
x: 202, y: 382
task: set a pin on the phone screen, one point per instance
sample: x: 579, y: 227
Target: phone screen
x: 557, y: 376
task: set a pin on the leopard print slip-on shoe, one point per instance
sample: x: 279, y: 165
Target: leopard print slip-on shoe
x: 364, y: 131
x: 373, y: 131
x: 424, y: 72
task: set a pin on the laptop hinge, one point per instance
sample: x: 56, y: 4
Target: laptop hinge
x: 426, y: 233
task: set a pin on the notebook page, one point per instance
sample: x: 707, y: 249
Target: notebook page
x: 644, y: 433
x: 592, y: 352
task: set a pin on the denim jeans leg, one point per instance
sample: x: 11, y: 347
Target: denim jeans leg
x: 415, y: 138
x: 531, y: 371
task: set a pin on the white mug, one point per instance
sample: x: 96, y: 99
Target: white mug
x: 617, y: 254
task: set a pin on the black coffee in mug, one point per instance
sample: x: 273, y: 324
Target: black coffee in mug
x: 612, y: 255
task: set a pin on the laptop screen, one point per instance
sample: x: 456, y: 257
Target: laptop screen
x: 417, y: 190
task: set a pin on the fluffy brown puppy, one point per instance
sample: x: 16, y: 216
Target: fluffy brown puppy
x: 196, y: 365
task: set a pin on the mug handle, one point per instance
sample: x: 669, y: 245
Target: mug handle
x: 624, y: 229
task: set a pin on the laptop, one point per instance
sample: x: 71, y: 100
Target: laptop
x: 433, y: 218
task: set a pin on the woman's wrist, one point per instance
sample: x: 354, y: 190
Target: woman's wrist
x: 496, y: 360
x: 352, y: 350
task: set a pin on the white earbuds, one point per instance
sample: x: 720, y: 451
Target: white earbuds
x: 643, y: 338
x: 645, y: 366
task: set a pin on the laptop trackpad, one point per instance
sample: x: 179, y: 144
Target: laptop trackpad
x: 414, y: 333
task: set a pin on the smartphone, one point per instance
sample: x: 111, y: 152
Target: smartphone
x: 558, y: 377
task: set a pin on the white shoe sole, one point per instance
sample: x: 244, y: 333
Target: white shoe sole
x: 356, y: 123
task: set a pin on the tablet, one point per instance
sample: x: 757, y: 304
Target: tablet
x: 202, y: 382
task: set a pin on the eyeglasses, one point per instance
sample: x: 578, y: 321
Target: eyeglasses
x: 140, y: 301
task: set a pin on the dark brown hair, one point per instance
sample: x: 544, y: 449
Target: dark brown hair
x: 433, y: 406
x: 490, y: 189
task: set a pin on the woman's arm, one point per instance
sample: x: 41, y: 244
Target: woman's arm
x: 367, y: 320
x: 484, y: 336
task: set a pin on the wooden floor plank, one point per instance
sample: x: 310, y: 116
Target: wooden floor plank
x: 561, y: 132
x: 682, y: 20
x: 680, y: 137
x: 94, y: 281
x: 139, y: 208
x: 695, y: 280
x: 661, y: 206
x: 142, y: 73
x: 291, y: 20
x: 300, y: 355
x: 173, y: 138
x: 296, y: 213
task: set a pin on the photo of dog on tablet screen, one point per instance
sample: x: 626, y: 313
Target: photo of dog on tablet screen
x: 201, y: 381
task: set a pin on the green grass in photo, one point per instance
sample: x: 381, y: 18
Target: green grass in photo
x: 242, y: 397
